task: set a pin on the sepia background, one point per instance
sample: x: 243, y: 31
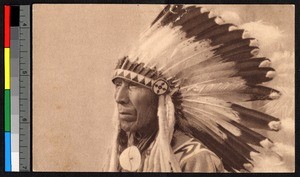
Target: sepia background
x: 75, y: 48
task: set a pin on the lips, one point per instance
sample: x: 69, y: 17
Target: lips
x: 127, y: 116
x: 125, y: 113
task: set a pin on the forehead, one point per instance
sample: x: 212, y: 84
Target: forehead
x: 139, y: 87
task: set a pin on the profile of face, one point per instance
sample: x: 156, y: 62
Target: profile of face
x: 137, y: 106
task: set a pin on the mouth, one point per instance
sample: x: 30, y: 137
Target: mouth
x: 126, y: 116
x: 125, y: 113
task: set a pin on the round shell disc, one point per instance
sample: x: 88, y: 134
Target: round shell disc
x: 160, y: 87
x: 130, y: 159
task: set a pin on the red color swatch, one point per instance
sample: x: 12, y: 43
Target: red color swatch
x: 6, y: 26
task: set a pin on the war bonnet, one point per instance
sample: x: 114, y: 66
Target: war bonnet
x: 202, y: 70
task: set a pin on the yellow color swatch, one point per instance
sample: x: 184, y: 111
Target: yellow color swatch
x: 7, y: 67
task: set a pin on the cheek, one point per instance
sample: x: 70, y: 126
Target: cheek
x: 145, y: 104
x: 142, y: 100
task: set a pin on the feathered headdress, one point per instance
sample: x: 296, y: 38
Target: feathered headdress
x: 203, y: 71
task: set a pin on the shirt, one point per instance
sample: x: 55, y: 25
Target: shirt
x: 192, y: 155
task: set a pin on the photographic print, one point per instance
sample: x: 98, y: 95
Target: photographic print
x: 163, y: 88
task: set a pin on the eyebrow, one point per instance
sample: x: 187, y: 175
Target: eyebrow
x: 116, y: 80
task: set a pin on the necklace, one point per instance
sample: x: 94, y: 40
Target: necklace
x: 130, y: 158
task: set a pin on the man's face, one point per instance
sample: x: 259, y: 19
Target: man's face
x: 137, y: 106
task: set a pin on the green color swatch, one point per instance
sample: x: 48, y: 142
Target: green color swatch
x: 7, y: 110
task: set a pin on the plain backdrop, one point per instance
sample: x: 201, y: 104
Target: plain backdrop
x: 75, y: 48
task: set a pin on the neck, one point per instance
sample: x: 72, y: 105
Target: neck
x: 142, y: 139
x: 146, y: 131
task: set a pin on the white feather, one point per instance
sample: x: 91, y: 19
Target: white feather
x: 216, y: 105
x: 188, y: 57
x: 193, y: 82
x: 214, y: 88
x: 232, y: 80
x: 215, y: 118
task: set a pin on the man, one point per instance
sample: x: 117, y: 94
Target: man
x: 137, y: 107
x: 176, y: 93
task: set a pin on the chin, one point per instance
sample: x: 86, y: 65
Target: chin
x: 127, y: 127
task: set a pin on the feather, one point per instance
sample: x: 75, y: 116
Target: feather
x: 156, y: 160
x: 192, y: 14
x: 223, y: 90
x: 214, y: 105
x: 256, y: 75
x: 214, y: 31
x: 243, y: 68
x: 161, y: 14
x: 214, y: 67
x: 208, y: 76
x: 188, y: 71
x: 243, y: 64
x: 205, y: 125
x: 240, y: 146
x: 222, y: 118
x: 199, y: 25
x: 174, y: 13
x: 163, y: 134
x: 232, y: 141
x: 215, y: 117
x: 237, y: 51
x: 221, y: 71
x: 213, y: 89
x: 187, y: 55
x: 163, y: 159
x: 244, y: 55
x: 219, y: 80
x: 220, y: 149
x: 234, y: 45
x: 153, y: 157
x: 170, y: 116
x: 248, y: 135
x: 227, y: 37
x: 249, y: 116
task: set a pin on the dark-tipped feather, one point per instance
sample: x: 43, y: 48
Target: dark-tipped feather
x: 236, y: 143
x: 236, y: 51
x: 200, y: 26
x: 249, y: 135
x: 215, y: 30
x: 255, y: 117
x: 234, y: 45
x: 248, y: 93
x: 243, y: 64
x: 228, y: 155
x: 161, y: 14
x: 255, y: 75
x: 237, y: 57
x: 174, y: 12
x: 227, y: 37
x: 191, y: 13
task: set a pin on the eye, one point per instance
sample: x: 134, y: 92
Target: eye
x: 132, y: 85
x: 118, y: 83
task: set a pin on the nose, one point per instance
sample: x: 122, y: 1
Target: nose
x: 121, y: 95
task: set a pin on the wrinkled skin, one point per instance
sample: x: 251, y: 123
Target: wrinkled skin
x: 137, y: 106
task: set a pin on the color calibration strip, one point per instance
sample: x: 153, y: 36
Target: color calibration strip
x: 7, y: 103
x: 17, y: 63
